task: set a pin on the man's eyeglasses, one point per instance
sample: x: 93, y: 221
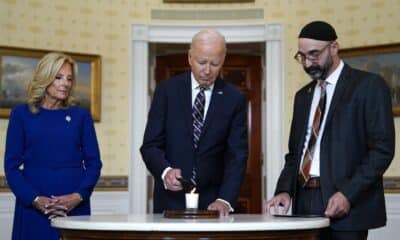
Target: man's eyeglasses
x: 311, y: 56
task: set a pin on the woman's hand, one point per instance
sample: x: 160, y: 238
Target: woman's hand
x: 49, y: 206
x: 69, y: 201
x: 42, y: 203
x: 65, y: 204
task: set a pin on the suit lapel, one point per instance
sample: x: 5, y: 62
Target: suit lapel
x: 186, y: 94
x: 215, y: 104
x: 340, y: 89
x: 306, y: 109
x: 307, y: 102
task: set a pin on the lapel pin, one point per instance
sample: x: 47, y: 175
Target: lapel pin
x: 68, y: 118
x: 309, y: 90
x: 220, y: 92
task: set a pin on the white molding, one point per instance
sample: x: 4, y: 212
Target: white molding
x: 273, y: 119
x: 232, y: 33
x: 7, y: 203
x: 274, y: 112
x: 110, y: 203
x: 391, y: 230
x: 137, y: 181
x: 102, y: 203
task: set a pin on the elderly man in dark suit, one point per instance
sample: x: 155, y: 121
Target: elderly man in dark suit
x: 197, y: 130
x: 341, y: 141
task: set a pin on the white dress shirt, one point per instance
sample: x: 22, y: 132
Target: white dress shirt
x: 331, y: 81
x: 207, y: 93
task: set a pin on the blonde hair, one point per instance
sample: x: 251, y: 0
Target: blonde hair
x: 45, y: 73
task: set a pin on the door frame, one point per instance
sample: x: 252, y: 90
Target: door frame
x: 272, y: 112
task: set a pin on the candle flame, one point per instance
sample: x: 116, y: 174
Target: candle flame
x: 193, y: 190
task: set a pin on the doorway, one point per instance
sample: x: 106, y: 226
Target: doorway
x: 272, y: 120
x: 242, y: 68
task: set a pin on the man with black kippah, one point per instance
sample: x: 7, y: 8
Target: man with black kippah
x: 341, y: 141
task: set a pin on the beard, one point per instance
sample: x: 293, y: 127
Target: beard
x: 319, y: 72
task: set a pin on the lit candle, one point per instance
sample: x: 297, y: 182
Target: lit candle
x: 192, y: 199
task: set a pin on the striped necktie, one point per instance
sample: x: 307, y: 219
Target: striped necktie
x: 198, y: 121
x: 318, y: 116
x: 198, y: 116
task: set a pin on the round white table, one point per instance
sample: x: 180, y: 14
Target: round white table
x: 155, y: 226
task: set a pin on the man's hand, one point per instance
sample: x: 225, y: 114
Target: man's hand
x: 220, y: 206
x: 280, y: 200
x: 171, y: 181
x: 338, y: 206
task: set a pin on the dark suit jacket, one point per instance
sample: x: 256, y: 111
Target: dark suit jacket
x: 357, y: 147
x: 222, y: 150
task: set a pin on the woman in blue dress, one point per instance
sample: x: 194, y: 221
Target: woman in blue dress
x: 52, y: 160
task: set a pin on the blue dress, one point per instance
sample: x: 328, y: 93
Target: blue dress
x: 54, y: 152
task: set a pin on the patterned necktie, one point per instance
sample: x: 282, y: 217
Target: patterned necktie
x: 318, y: 116
x: 197, y: 115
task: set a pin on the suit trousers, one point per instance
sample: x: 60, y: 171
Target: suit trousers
x: 309, y: 201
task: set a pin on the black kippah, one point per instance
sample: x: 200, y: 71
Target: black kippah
x: 318, y: 30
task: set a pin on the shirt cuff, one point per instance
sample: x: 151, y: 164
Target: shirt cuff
x: 80, y: 197
x: 35, y: 200
x: 227, y: 203
x: 163, y: 175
